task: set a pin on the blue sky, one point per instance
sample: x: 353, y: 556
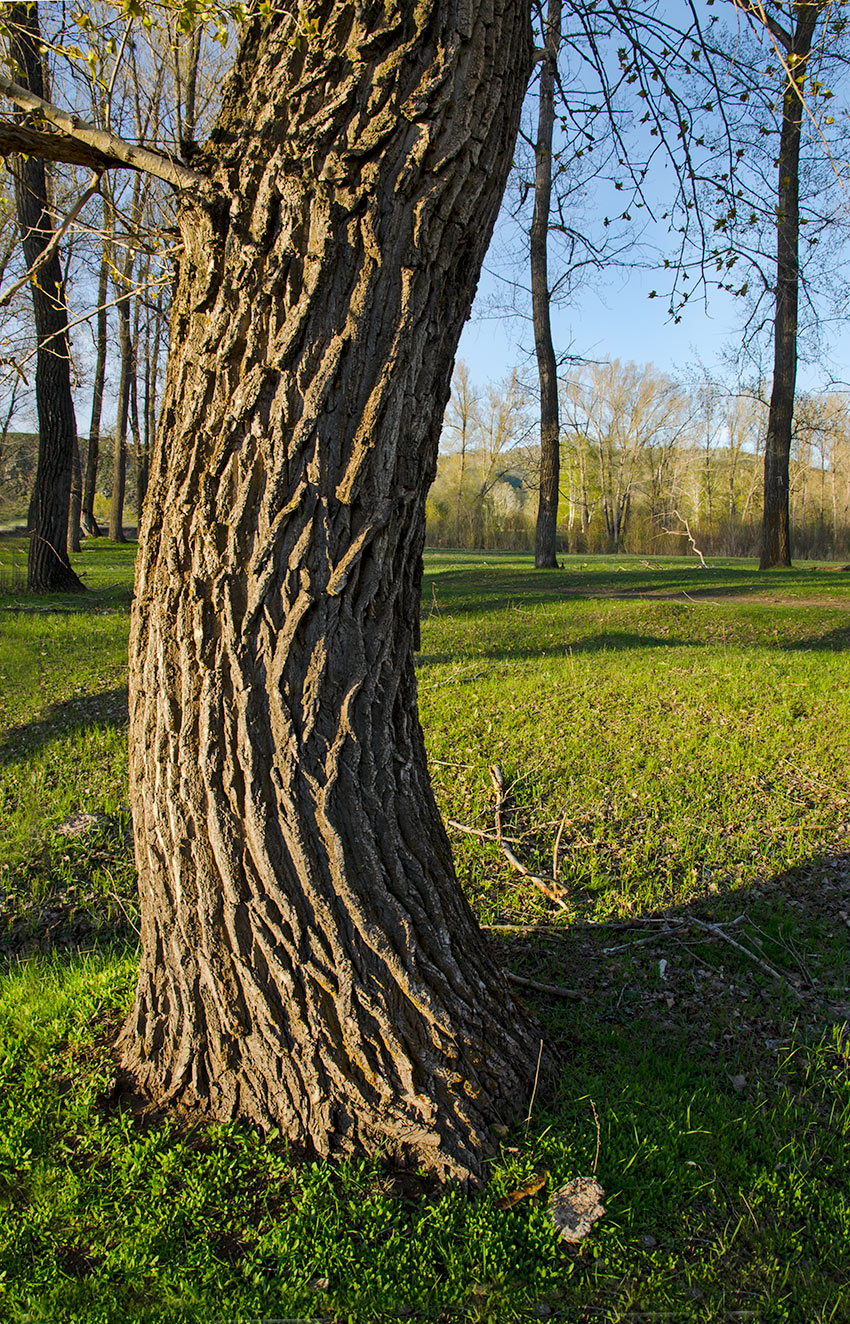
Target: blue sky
x: 617, y: 319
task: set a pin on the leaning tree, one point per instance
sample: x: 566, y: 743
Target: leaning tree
x: 309, y: 961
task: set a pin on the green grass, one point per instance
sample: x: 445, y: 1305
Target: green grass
x: 688, y: 732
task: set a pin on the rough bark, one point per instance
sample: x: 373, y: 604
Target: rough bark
x: 89, y: 522
x: 48, y: 566
x: 546, y: 530
x: 776, y: 520
x: 309, y: 960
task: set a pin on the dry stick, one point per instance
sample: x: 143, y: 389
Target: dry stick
x: 479, y: 832
x: 598, y: 1136
x: 557, y: 847
x: 534, y: 1089
x: 720, y: 933
x: 499, y: 787
x: 58, y: 235
x: 638, y: 942
x: 117, y: 898
x: 553, y: 927
x: 555, y: 989
x: 543, y: 885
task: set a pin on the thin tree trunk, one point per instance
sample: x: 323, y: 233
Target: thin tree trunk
x: 76, y: 500
x: 48, y: 567
x: 309, y: 960
x: 89, y: 522
x: 119, y: 455
x: 546, y: 532
x: 776, y: 523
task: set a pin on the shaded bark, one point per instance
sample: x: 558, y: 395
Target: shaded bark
x: 546, y: 531
x: 48, y: 566
x: 89, y: 522
x: 776, y: 520
x: 309, y: 960
x: 76, y: 500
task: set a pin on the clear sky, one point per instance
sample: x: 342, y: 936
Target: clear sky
x: 619, y: 321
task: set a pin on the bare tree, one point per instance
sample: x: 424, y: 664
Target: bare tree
x: 48, y: 566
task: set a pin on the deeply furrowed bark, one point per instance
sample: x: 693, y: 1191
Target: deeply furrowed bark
x: 309, y: 961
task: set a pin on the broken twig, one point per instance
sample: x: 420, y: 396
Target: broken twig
x: 555, y: 989
x: 718, y: 932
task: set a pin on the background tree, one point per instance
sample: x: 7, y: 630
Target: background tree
x: 48, y: 566
x: 545, y: 542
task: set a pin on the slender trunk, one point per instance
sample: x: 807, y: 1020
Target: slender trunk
x: 459, y: 511
x: 88, y: 520
x: 134, y: 404
x: 48, y: 568
x: 546, y: 533
x: 309, y: 960
x: 585, y: 504
x: 119, y: 457
x: 776, y: 522
x: 76, y: 500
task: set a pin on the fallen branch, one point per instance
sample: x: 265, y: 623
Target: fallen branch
x: 479, y: 832
x: 556, y: 849
x: 556, y: 990
x: 718, y: 932
x: 550, y: 887
x: 499, y: 787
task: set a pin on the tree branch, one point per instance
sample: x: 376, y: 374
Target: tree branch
x: 79, y: 143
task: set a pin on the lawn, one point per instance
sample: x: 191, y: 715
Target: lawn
x: 674, y: 746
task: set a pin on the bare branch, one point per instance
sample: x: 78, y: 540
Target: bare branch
x: 51, y: 248
x: 80, y: 143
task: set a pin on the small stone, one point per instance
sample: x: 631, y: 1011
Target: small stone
x: 77, y: 825
x: 576, y: 1207
x: 739, y: 1083
x: 648, y: 1240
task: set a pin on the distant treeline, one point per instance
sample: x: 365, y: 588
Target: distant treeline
x: 18, y: 461
x: 647, y: 466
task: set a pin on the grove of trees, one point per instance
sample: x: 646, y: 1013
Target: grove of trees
x: 643, y: 459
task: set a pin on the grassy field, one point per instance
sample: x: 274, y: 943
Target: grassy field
x: 674, y: 744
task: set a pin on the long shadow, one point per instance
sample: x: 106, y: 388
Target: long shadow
x: 94, y: 602
x: 672, y: 1019
x: 834, y: 641
x: 612, y: 641
x: 107, y: 709
x: 475, y: 593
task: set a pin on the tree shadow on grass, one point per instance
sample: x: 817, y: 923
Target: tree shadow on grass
x: 471, y: 593
x: 607, y: 641
x: 106, y: 709
x: 834, y: 641
x: 720, y: 1087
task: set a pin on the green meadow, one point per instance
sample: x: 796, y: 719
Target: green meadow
x: 674, y: 746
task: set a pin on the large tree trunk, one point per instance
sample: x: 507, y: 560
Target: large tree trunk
x: 776, y: 520
x: 48, y: 568
x: 309, y: 961
x: 546, y: 531
x: 88, y: 520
